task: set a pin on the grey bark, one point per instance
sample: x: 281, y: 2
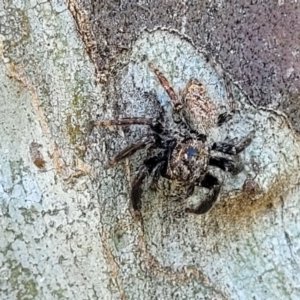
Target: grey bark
x: 67, y: 229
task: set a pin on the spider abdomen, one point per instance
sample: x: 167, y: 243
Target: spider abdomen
x: 198, y: 109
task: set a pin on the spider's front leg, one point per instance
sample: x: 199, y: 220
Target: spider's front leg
x: 232, y: 165
x: 212, y: 183
x: 233, y: 149
x: 224, y: 117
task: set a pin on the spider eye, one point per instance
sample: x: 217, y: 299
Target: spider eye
x: 191, y: 152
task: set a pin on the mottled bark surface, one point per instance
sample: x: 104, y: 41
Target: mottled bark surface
x: 67, y: 227
x: 257, y: 41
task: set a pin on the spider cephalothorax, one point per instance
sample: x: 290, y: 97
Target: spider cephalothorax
x: 188, y: 162
x: 179, y: 142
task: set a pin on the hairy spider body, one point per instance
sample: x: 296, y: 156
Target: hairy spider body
x: 198, y: 109
x: 179, y: 142
x: 189, y: 162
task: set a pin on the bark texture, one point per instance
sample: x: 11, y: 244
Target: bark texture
x: 67, y: 227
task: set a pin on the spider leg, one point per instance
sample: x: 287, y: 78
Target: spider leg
x: 136, y: 190
x: 232, y: 149
x: 160, y: 170
x: 212, y: 183
x: 224, y: 117
x: 223, y: 147
x: 167, y: 87
x: 153, y: 123
x: 128, y: 151
x: 154, y: 162
x: 234, y: 166
x: 125, y: 121
x: 245, y: 142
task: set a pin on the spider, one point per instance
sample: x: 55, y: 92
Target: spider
x: 179, y: 143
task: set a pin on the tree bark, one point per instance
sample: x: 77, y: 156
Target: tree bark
x: 68, y: 230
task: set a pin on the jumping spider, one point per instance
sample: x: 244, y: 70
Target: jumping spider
x: 179, y: 141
